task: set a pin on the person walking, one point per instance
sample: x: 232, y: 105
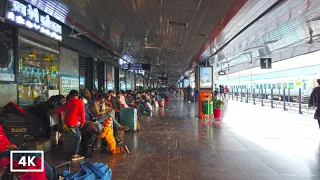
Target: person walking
x: 314, y: 100
x: 74, y: 117
x: 227, y: 91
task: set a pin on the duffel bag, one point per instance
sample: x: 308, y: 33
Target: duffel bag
x: 89, y: 171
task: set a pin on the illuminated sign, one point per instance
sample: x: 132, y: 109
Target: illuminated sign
x: 29, y: 17
x: 139, y: 66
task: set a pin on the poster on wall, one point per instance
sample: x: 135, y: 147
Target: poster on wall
x: 6, y: 53
x: 67, y: 84
x: 205, y: 77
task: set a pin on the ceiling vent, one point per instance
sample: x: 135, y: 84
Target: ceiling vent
x: 177, y: 23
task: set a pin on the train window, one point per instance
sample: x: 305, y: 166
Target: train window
x: 279, y: 85
x: 284, y: 85
x: 269, y: 86
x: 274, y: 86
x: 291, y: 86
x: 265, y: 86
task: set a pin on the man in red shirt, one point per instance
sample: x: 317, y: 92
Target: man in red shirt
x: 74, y: 116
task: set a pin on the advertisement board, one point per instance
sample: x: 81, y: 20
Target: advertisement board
x: 67, y: 84
x: 205, y: 78
x: 186, y: 83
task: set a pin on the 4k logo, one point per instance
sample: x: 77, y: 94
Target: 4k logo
x: 26, y: 161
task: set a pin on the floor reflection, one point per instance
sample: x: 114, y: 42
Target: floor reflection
x: 249, y: 142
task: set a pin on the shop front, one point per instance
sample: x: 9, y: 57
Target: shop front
x: 38, y: 52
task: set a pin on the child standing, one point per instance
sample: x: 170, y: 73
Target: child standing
x: 107, y: 134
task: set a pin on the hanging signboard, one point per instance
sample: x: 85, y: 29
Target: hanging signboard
x: 266, y: 63
x: 29, y: 17
x: 67, y: 84
x: 221, y: 73
x: 139, y: 66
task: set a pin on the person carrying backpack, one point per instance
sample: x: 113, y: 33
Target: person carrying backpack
x: 74, y: 118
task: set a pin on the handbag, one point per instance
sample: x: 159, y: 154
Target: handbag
x: 95, y: 171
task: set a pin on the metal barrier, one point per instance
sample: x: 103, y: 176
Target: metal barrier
x: 275, y: 101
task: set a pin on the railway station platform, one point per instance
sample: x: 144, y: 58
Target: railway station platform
x: 252, y: 143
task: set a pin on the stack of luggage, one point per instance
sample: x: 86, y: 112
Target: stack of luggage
x: 16, y: 121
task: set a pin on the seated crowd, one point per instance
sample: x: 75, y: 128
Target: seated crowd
x: 78, y: 109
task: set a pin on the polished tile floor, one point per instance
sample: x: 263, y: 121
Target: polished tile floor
x: 251, y: 143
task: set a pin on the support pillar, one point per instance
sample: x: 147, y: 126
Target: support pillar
x: 117, y: 79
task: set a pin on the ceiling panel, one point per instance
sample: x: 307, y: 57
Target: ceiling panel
x: 124, y: 26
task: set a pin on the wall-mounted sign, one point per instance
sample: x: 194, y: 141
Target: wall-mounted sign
x: 31, y: 18
x: 205, y: 77
x: 266, y: 63
x: 67, y: 84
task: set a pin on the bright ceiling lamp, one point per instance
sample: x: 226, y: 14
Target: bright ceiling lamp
x: 32, y: 53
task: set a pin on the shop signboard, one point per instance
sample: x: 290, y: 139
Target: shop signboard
x: 29, y: 17
x: 68, y: 83
x: 205, y: 78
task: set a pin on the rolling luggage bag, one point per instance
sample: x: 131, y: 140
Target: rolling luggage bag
x: 90, y: 145
x: 129, y: 117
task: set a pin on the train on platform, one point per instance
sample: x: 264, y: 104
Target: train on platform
x: 292, y: 80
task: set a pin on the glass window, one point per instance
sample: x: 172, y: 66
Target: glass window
x: 257, y: 86
x: 269, y: 86
x: 261, y: 86
x: 279, y: 85
x: 38, y: 72
x: 245, y: 86
x: 265, y: 86
x: 274, y: 86
x: 291, y: 85
x: 284, y: 85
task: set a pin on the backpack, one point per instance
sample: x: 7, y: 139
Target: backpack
x: 90, y: 145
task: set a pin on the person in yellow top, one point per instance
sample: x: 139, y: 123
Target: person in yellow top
x: 107, y: 134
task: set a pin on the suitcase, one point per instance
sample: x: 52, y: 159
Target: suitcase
x: 15, y: 124
x: 129, y: 117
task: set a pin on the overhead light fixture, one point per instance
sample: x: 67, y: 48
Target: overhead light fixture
x: 32, y: 53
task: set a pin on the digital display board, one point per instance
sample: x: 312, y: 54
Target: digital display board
x: 186, y: 83
x: 205, y: 77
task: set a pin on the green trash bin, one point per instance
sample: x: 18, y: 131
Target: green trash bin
x: 207, y: 107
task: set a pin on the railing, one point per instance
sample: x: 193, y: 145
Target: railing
x: 281, y: 100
